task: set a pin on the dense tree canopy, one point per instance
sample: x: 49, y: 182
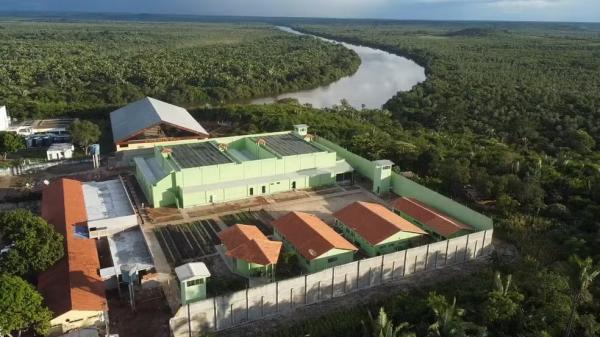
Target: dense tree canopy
x: 10, y: 142
x: 32, y: 245
x: 84, y: 133
x: 21, y: 307
x: 57, y: 68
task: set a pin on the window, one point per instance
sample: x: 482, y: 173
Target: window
x: 332, y: 259
x: 195, y: 282
x: 264, y: 189
x: 251, y: 190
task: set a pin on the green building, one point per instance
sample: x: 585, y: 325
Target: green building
x: 231, y: 168
x: 376, y: 229
x: 316, y: 244
x: 192, y: 281
x: 250, y: 252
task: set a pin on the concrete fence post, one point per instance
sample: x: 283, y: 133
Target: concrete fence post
x: 305, y: 289
x: 216, y: 319
x: 404, y: 265
x: 381, y: 271
x: 262, y: 306
x: 247, y: 306
x: 466, y: 248
x: 447, y: 248
x: 332, y: 280
x: 426, y: 258
x: 483, y: 242
x: 358, y: 274
x: 277, y: 296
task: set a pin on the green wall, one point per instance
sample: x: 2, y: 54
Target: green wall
x: 407, y: 188
x: 394, y: 243
x: 363, y: 166
x: 192, y: 293
x: 173, y: 191
x: 249, y: 269
x: 334, y: 257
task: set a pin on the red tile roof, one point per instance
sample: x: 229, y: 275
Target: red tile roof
x: 248, y: 243
x: 73, y: 283
x: 374, y: 222
x: 310, y: 235
x: 430, y: 217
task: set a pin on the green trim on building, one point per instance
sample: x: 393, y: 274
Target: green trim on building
x: 249, y: 269
x: 254, y: 167
x: 430, y: 231
x: 394, y: 243
x: 332, y: 258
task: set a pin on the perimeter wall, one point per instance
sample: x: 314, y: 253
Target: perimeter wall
x: 234, y: 309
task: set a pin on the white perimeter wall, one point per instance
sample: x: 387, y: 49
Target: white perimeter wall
x: 227, y: 311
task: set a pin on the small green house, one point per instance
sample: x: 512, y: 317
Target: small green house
x: 376, y: 229
x: 192, y: 281
x: 434, y: 222
x: 315, y: 243
x: 250, y: 252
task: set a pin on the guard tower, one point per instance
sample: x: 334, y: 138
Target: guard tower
x: 192, y: 281
x: 301, y: 130
x: 382, y: 176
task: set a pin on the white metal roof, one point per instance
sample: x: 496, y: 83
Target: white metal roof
x: 146, y: 112
x: 60, y: 147
x: 191, y: 270
x: 106, y: 200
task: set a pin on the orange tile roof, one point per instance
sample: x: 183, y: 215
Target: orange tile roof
x: 73, y: 283
x: 248, y: 243
x: 374, y: 222
x: 310, y: 235
x: 430, y: 217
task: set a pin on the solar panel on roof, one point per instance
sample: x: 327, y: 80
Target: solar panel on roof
x: 197, y: 155
x: 289, y: 145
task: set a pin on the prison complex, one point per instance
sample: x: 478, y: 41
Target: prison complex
x: 232, y: 168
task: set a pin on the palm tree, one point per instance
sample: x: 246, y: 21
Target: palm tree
x: 501, y: 287
x: 448, y: 319
x: 384, y: 327
x: 581, y: 279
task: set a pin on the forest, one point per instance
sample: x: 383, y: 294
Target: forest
x: 79, y: 69
x: 508, y: 123
x: 505, y: 123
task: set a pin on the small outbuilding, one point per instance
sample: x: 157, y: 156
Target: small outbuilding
x: 433, y: 221
x: 252, y: 254
x: 315, y: 243
x: 59, y: 151
x: 192, y: 281
x: 375, y: 228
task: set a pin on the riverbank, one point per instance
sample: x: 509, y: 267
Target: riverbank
x: 380, y: 76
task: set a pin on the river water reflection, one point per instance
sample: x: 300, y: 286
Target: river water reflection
x: 380, y: 76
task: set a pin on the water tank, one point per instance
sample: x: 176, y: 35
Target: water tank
x: 129, y: 273
x: 95, y: 149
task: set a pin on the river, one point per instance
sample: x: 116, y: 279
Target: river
x: 379, y: 77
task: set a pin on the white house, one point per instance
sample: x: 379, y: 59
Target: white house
x: 59, y: 151
x: 4, y: 119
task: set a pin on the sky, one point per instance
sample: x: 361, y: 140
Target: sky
x: 506, y: 10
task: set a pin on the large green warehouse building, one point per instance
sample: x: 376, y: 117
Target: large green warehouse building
x: 231, y: 168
